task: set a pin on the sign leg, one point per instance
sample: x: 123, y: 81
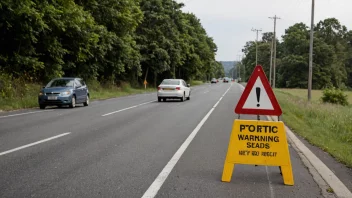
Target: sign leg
x: 287, y: 175
x: 227, y: 172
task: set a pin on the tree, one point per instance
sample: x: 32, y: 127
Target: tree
x: 121, y: 18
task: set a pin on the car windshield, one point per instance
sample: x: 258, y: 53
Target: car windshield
x: 61, y: 83
x: 170, y: 82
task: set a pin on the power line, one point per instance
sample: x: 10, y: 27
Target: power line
x: 256, y: 45
x: 274, y: 40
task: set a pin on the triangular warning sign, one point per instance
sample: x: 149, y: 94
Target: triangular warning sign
x: 258, y: 98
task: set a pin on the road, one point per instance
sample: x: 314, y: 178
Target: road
x: 118, y: 147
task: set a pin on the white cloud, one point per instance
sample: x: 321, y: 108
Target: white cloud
x: 229, y: 22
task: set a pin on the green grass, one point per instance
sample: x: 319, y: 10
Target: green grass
x: 324, y: 125
x: 29, y: 98
x: 196, y: 82
x: 106, y: 93
x: 24, y: 98
x: 29, y: 95
x: 316, y: 94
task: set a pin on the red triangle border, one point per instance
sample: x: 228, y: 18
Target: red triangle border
x: 258, y: 72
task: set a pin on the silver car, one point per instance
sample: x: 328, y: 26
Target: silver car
x: 174, y: 89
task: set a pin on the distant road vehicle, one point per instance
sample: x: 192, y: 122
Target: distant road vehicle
x: 174, y: 89
x: 214, y: 80
x: 64, y: 91
x: 226, y: 80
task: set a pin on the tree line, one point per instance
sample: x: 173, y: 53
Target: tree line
x: 332, y: 56
x: 105, y: 40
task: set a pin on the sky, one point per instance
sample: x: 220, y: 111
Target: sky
x: 229, y: 22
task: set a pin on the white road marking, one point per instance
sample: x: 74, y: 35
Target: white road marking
x: 128, y: 108
x: 272, y: 194
x: 13, y: 115
x: 159, y: 181
x: 206, y: 92
x: 32, y: 144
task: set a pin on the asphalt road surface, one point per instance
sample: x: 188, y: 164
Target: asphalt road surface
x: 118, y: 148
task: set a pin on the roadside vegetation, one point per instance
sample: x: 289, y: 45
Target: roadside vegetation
x: 108, y: 42
x: 325, y: 125
x: 332, y: 63
x: 326, y: 121
x: 27, y: 96
x: 316, y: 94
x: 196, y: 82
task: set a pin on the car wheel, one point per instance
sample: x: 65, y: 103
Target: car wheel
x: 189, y: 96
x: 87, y: 101
x: 42, y: 106
x: 59, y: 106
x: 73, y: 103
x: 183, y: 97
x: 159, y: 99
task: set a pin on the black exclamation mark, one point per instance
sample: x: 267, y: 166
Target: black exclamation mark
x: 258, y: 95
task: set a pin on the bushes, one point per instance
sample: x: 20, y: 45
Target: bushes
x: 334, y: 96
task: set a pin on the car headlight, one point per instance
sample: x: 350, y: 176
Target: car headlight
x: 41, y: 93
x: 65, y: 93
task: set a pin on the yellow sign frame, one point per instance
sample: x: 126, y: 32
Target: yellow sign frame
x: 258, y: 143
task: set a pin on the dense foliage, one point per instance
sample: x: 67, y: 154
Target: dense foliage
x: 106, y: 40
x: 332, y: 61
x: 334, y: 96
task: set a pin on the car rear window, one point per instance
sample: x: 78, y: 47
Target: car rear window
x: 170, y: 82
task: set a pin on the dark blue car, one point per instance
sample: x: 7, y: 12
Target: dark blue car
x: 64, y: 91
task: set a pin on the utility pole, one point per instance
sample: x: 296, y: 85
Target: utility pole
x: 239, y: 67
x: 233, y: 69
x: 256, y: 45
x: 244, y: 67
x: 271, y: 60
x: 310, y: 76
x: 274, y: 40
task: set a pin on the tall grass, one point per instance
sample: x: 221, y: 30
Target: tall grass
x: 98, y: 91
x: 16, y: 94
x: 22, y: 98
x: 324, y: 125
x: 196, y: 82
x: 19, y: 94
x: 316, y: 94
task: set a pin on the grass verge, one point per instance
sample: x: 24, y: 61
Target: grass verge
x: 324, y: 125
x: 196, y: 82
x: 29, y: 96
x: 26, y: 96
x: 316, y: 94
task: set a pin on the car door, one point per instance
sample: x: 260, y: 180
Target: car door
x: 79, y: 91
x: 84, y: 89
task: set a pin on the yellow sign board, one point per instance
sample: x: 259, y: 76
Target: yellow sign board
x: 258, y: 143
x: 145, y: 82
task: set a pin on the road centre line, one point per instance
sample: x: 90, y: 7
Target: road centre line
x: 161, y: 178
x: 128, y: 108
x: 13, y: 115
x: 32, y: 144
